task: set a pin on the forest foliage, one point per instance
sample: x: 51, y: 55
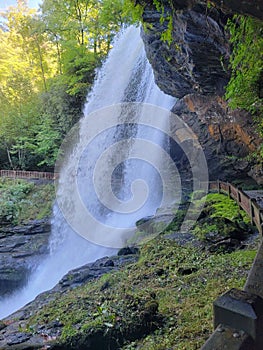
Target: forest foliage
x: 47, y: 65
x: 22, y: 201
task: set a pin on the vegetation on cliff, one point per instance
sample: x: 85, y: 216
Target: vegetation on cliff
x: 245, y: 88
x: 21, y: 201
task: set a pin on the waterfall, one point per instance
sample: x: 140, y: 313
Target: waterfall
x: 88, y: 218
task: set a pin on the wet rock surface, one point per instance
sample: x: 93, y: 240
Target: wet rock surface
x: 253, y: 8
x: 195, y: 58
x: 21, y: 249
x: 78, y: 277
x: 244, y: 7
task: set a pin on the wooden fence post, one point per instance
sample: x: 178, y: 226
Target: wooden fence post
x: 229, y: 189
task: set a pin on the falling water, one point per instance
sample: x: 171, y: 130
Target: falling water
x: 125, y: 77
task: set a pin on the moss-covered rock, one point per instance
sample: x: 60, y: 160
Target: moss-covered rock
x: 222, y: 223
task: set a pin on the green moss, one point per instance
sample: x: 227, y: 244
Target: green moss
x: 39, y: 203
x: 225, y: 207
x: 187, y: 300
x: 128, y: 308
x: 68, y: 331
x: 167, y: 35
x: 221, y: 215
x: 178, y: 219
x: 244, y: 87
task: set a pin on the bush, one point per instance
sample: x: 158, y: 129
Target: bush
x: 21, y: 201
x: 12, y: 196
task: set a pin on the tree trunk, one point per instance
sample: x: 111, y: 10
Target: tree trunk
x: 9, y: 157
x: 41, y: 66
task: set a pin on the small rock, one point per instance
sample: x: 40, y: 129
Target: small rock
x: 56, y: 324
x: 109, y: 263
x: 151, y: 308
x: 2, y: 325
x: 183, y: 271
x: 226, y: 245
x: 128, y: 251
x: 160, y: 272
x: 18, y: 338
x: 105, y: 286
x: 236, y: 335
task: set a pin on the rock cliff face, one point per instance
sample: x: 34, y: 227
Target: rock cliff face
x: 246, y: 7
x: 193, y: 66
x: 227, y: 137
x: 196, y: 59
x: 21, y: 249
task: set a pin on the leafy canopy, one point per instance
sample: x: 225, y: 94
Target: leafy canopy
x: 47, y: 66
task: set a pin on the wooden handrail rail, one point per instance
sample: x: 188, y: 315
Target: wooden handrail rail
x: 21, y: 174
x: 235, y: 327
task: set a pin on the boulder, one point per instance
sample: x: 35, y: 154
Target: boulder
x: 88, y: 272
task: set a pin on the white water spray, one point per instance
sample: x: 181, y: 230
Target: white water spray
x: 126, y: 76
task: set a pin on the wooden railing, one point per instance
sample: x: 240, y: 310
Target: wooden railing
x: 238, y: 314
x: 249, y: 205
x: 20, y: 174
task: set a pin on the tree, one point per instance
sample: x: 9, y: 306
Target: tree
x: 47, y: 66
x: 26, y: 63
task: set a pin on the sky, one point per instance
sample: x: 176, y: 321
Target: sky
x: 5, y: 3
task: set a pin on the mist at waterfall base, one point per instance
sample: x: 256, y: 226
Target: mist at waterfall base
x: 125, y: 77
